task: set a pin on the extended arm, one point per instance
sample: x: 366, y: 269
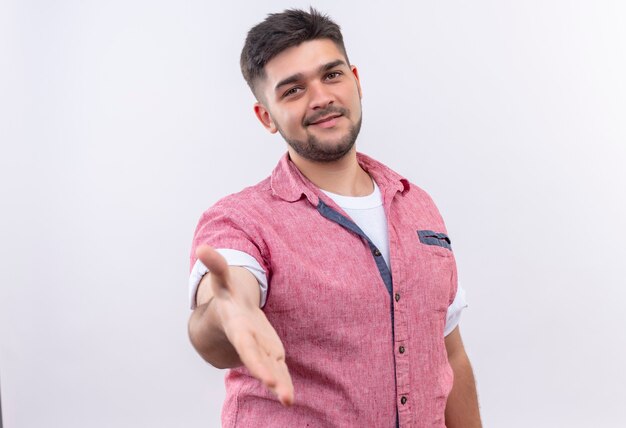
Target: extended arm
x: 462, y: 407
x: 228, y: 329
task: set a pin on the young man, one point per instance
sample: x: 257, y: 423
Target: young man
x: 331, y: 290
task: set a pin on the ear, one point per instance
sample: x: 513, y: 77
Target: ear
x: 263, y: 114
x: 355, y: 72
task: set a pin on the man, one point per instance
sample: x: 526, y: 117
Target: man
x: 332, y: 294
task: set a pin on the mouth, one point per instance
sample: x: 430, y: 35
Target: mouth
x: 327, y: 121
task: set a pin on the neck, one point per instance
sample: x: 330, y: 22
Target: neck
x: 343, y: 176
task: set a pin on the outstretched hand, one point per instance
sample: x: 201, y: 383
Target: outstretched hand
x: 247, y: 328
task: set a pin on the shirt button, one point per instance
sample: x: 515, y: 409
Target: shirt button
x: 401, y: 349
x: 397, y: 297
x: 403, y: 400
x: 376, y: 252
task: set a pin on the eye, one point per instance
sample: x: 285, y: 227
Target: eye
x: 333, y: 75
x: 292, y: 91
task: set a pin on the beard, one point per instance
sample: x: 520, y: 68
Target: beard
x: 316, y: 150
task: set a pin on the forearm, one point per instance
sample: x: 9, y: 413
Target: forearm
x: 208, y: 321
x: 462, y: 407
x: 207, y: 336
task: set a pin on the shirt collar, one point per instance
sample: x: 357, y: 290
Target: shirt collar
x: 288, y: 183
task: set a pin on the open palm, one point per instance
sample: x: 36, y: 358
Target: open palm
x: 248, y: 329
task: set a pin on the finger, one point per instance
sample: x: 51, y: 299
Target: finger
x: 284, y: 386
x: 275, y: 353
x: 270, y: 369
x: 214, y: 262
x: 256, y: 360
x: 273, y: 372
x: 277, y: 379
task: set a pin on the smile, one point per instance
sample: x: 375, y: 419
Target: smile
x: 327, y: 121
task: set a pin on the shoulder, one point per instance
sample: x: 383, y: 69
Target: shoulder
x: 242, y: 203
x: 420, y: 206
x: 413, y: 198
x: 234, y: 222
x: 418, y: 194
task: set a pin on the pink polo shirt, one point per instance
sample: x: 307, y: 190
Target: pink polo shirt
x: 364, y: 345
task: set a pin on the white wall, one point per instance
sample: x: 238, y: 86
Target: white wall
x: 121, y: 121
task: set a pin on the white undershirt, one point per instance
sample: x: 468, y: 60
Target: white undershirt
x: 368, y: 213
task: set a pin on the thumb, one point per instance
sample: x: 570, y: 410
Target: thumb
x: 214, y: 261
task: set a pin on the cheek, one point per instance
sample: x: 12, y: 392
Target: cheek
x: 290, y: 120
x: 352, y: 101
x: 356, y: 100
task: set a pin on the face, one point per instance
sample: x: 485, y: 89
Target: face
x: 312, y: 97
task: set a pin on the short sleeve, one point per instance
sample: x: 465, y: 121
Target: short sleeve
x: 453, y: 316
x: 225, y: 226
x: 233, y: 258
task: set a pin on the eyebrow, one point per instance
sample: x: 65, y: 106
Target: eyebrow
x: 299, y: 76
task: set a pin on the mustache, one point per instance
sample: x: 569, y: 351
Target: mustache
x: 325, y: 112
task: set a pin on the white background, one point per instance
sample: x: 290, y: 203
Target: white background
x: 121, y: 121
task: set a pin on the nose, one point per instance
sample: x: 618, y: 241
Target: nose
x: 320, y: 96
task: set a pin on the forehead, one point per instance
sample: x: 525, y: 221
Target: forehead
x: 305, y: 58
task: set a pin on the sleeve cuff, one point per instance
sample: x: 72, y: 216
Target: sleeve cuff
x: 453, y: 316
x: 233, y: 258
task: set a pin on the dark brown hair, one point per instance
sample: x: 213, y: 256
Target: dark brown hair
x: 280, y: 31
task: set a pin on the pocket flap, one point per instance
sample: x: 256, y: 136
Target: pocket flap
x: 429, y: 237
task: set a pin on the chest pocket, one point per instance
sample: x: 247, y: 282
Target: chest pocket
x: 438, y: 268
